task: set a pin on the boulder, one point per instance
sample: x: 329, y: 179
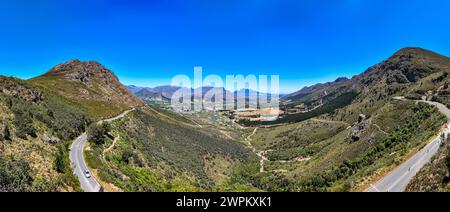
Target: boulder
x: 50, y: 139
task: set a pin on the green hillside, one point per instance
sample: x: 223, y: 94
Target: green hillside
x: 37, y: 127
x: 350, y: 146
x: 149, y: 151
x: 357, y: 133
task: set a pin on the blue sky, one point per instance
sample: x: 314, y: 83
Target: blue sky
x: 148, y: 42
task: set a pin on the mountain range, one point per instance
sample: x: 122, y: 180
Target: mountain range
x: 166, y: 92
x: 356, y: 132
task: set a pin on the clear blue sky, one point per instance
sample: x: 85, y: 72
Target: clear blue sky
x: 148, y: 42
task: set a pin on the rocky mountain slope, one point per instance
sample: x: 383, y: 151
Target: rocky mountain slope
x: 153, y: 151
x: 381, y: 130
x: 343, y: 148
x: 39, y: 118
x: 411, y: 70
x: 89, y: 85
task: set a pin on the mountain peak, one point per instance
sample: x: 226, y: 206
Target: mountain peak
x: 410, y: 53
x: 84, y: 71
x: 408, y: 65
x: 409, y: 50
x: 92, y: 85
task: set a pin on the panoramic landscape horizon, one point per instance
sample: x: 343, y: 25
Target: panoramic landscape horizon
x: 224, y: 104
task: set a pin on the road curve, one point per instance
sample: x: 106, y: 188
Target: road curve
x: 398, y: 180
x: 79, y: 164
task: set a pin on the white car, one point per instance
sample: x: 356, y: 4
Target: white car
x: 87, y: 174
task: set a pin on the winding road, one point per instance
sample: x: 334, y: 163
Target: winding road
x: 88, y: 184
x: 398, y: 180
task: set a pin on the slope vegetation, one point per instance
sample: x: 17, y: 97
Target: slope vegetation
x: 36, y: 129
x: 381, y: 132
x: 148, y: 151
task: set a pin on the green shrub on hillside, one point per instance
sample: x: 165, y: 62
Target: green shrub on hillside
x: 395, y: 141
x: 434, y: 176
x: 98, y: 133
x: 160, y: 154
x: 66, y: 121
x: 447, y: 160
x: 15, y: 176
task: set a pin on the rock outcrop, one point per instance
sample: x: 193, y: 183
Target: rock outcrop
x: 13, y: 89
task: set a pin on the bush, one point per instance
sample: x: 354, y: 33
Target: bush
x: 15, y: 176
x: 6, y: 134
x: 398, y: 139
x: 447, y: 160
x: 97, y: 134
x: 61, y: 163
x: 66, y: 121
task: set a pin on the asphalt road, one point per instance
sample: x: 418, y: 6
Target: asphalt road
x: 398, y: 180
x: 88, y: 184
x: 80, y: 167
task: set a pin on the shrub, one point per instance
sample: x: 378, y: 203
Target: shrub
x: 61, y: 163
x: 7, y: 133
x: 447, y: 159
x: 98, y: 133
x: 66, y: 121
x: 15, y: 176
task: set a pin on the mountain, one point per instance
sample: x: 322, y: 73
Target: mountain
x: 166, y: 92
x: 89, y: 85
x: 41, y: 116
x: 158, y: 93
x: 147, y: 93
x: 409, y: 65
x: 354, y: 135
x: 318, y: 88
x: 154, y: 150
x: 357, y: 130
x: 134, y: 89
x: 413, y: 72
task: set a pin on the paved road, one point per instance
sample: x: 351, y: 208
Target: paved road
x: 398, y: 180
x: 78, y: 163
x: 80, y: 167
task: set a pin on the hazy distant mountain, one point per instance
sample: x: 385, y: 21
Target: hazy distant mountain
x: 311, y: 89
x: 134, y: 89
x: 166, y: 93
